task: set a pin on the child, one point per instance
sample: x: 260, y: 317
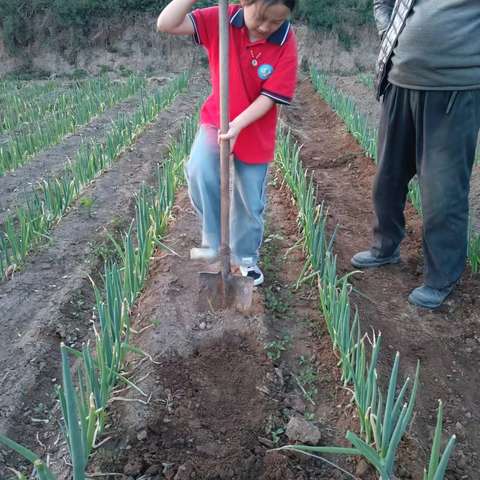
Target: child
x: 263, y: 72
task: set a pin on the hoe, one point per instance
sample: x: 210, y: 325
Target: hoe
x: 224, y: 290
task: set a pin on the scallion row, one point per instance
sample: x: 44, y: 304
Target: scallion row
x: 19, y: 110
x: 49, y: 201
x: 383, y: 417
x: 84, y: 104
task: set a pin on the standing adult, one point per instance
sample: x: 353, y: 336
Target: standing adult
x: 428, y: 74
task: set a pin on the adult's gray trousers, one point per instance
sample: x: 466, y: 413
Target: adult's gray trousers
x: 432, y: 134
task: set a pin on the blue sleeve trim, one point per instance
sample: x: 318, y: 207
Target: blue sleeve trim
x: 276, y: 97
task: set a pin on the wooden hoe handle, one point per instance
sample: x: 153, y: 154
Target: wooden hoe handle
x: 224, y: 144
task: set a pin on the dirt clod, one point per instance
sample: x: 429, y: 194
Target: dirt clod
x: 295, y: 403
x: 362, y: 468
x: 300, y: 430
x: 184, y: 472
x: 133, y: 467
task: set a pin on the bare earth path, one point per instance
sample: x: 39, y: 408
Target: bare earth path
x: 51, y: 299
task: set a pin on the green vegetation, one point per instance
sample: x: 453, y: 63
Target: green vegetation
x: 275, y: 348
x: 307, y: 378
x: 34, y: 102
x: 52, y: 198
x: 474, y: 250
x: 438, y: 463
x: 384, y: 417
x: 72, y: 111
x: 340, y: 16
x: 357, y: 123
x: 366, y: 79
x: 16, y: 16
x: 84, y: 401
x: 24, y: 91
x: 332, y: 13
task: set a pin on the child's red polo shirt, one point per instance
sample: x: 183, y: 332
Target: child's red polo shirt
x: 266, y: 67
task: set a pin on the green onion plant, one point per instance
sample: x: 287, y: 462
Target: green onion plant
x: 438, y: 462
x: 87, y: 101
x: 52, y: 198
x: 41, y: 470
x: 383, y: 418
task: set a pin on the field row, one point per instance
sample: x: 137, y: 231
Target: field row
x: 384, y: 415
x: 66, y: 114
x: 51, y: 198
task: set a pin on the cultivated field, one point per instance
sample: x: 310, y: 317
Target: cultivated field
x: 108, y: 370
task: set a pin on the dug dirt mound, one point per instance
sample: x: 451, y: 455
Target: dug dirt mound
x: 211, y: 415
x: 214, y: 402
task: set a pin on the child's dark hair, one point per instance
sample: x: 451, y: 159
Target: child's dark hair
x: 288, y: 3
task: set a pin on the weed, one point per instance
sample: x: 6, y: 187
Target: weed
x: 309, y: 416
x: 276, y: 347
x: 270, y: 251
x: 104, y: 250
x: 87, y: 203
x: 276, y: 434
x: 307, y: 377
x: 276, y: 301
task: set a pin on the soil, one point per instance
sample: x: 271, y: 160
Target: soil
x: 216, y: 403
x: 112, y: 44
x: 214, y: 397
x: 51, y: 300
x: 17, y: 185
x: 132, y: 42
x: 363, y: 95
x: 446, y: 341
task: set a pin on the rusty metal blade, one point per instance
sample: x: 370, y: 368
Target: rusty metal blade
x: 216, y: 294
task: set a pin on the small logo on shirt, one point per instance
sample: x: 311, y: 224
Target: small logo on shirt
x: 265, y: 71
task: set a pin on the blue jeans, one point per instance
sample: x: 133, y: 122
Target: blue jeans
x: 247, y: 206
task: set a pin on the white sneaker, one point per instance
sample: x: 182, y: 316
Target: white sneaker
x: 203, y: 253
x: 253, y: 272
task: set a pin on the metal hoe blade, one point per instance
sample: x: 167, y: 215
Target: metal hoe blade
x: 223, y: 290
x: 217, y: 293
